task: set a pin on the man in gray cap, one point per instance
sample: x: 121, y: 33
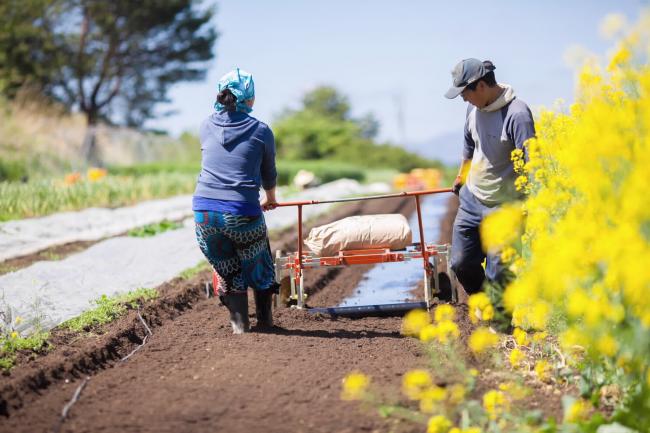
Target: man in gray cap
x: 497, y: 122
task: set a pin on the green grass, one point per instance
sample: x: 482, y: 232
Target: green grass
x: 139, y: 170
x: 109, y: 309
x: 129, y: 185
x: 43, y: 197
x: 381, y: 175
x: 191, y: 272
x: 5, y: 268
x: 10, y: 345
x: 154, y: 229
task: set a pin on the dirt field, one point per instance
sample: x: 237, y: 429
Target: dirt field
x: 193, y: 375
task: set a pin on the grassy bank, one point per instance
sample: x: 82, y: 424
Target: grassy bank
x: 43, y: 197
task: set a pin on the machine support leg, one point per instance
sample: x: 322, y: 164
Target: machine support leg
x: 427, y: 288
x: 301, y: 292
x: 436, y: 280
x: 294, y: 294
x: 452, y: 275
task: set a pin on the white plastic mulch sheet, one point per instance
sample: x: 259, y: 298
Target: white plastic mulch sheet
x: 22, y: 237
x: 60, y: 290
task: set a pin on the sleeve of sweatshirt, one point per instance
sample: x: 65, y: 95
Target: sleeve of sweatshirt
x: 522, y: 127
x: 268, y: 170
x: 468, y: 143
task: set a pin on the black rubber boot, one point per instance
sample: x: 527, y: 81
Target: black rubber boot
x: 237, y: 304
x: 263, y: 310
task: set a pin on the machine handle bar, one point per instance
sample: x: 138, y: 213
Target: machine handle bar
x: 371, y: 197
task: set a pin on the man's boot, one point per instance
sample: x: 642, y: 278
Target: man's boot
x: 263, y: 311
x: 237, y: 304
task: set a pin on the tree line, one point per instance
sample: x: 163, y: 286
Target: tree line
x: 115, y: 61
x: 112, y: 60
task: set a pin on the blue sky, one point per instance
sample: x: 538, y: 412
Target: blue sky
x: 394, y: 58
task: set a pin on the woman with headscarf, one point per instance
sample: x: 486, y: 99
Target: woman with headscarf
x: 238, y: 157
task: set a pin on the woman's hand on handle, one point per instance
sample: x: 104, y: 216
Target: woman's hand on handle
x: 269, y: 202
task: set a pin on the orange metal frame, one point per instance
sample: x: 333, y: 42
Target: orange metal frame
x: 364, y: 256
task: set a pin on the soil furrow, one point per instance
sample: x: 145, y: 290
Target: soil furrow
x: 193, y: 375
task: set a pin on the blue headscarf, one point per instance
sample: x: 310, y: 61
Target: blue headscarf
x: 241, y: 85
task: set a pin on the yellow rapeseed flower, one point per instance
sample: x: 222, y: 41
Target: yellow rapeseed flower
x: 438, y: 424
x: 414, y: 321
x: 480, y: 307
x: 542, y: 370
x: 516, y: 357
x: 430, y: 399
x: 415, y: 383
x: 495, y: 404
x: 355, y: 386
x: 444, y: 312
x: 456, y: 393
x: 521, y: 182
x: 428, y: 333
x: 447, y: 331
x: 539, y: 337
x: 520, y: 336
x: 18, y: 320
x: 94, y: 174
x: 14, y: 334
x: 607, y: 345
x: 508, y: 254
x: 482, y: 339
x: 577, y: 411
x: 502, y: 227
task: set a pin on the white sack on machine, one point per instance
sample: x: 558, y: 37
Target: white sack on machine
x: 360, y: 232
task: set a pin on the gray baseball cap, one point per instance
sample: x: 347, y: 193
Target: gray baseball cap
x: 466, y: 72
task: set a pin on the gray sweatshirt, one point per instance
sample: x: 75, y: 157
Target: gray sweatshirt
x: 491, y: 134
x: 238, y: 155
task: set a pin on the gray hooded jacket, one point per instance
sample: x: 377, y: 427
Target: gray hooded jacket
x: 491, y: 134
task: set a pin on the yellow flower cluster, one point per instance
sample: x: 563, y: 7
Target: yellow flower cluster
x: 543, y: 370
x: 516, y: 358
x: 94, y: 174
x: 495, y: 403
x: 502, y: 228
x: 577, y: 411
x: 445, y: 329
x: 583, y: 247
x: 438, y: 424
x: 480, y: 308
x: 355, y: 386
x: 415, y: 383
x: 520, y: 336
x: 414, y: 321
x: 482, y: 339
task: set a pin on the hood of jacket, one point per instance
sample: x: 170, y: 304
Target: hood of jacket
x: 504, y: 99
x: 231, y: 127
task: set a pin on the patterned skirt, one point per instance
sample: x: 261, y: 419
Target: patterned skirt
x: 238, y: 249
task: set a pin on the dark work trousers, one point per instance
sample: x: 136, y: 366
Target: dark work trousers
x: 467, y: 253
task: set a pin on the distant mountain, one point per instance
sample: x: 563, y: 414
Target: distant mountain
x: 446, y: 147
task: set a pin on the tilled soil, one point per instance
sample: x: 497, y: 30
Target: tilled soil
x: 194, y: 375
